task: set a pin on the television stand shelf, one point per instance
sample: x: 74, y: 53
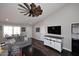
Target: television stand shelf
x: 53, y: 42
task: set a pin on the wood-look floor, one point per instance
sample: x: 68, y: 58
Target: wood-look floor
x: 44, y: 49
x: 39, y: 49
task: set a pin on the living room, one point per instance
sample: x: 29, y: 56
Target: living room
x: 63, y: 17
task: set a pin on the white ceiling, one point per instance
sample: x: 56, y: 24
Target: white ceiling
x: 10, y: 11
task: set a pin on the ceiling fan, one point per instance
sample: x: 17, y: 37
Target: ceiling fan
x: 31, y: 10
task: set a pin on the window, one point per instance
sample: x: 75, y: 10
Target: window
x: 16, y: 30
x: 11, y: 30
x: 7, y: 30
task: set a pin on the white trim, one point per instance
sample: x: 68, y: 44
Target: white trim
x: 67, y: 49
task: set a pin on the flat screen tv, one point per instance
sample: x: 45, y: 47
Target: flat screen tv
x: 54, y: 30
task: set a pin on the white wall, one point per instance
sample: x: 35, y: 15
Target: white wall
x: 28, y: 31
x: 64, y: 17
x: 39, y: 35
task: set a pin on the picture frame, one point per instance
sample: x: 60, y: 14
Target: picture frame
x: 37, y: 29
x: 23, y: 29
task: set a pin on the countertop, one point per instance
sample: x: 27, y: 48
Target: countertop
x: 58, y: 37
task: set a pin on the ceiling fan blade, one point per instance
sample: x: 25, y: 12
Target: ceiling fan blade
x: 21, y: 9
x: 26, y: 13
x: 27, y: 5
x: 22, y: 12
x: 22, y: 6
x: 30, y: 14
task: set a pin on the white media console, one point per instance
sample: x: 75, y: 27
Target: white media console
x: 54, y: 42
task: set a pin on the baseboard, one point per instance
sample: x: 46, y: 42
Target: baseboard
x: 67, y: 49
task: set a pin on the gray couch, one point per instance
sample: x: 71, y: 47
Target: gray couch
x: 14, y: 44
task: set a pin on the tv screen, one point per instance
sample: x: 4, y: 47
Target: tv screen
x: 54, y: 30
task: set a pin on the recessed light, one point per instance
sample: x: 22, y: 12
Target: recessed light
x: 6, y: 19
